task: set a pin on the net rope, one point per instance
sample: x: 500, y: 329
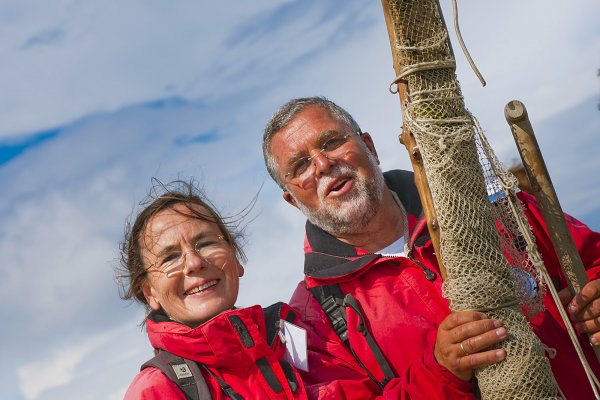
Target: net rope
x: 534, y: 263
x: 485, y: 253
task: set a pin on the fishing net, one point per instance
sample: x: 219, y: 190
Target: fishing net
x: 486, y: 245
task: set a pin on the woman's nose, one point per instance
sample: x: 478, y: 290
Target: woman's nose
x: 192, y: 262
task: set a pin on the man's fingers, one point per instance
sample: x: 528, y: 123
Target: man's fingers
x: 565, y: 296
x: 481, y: 359
x: 588, y: 294
x: 464, y: 340
x: 458, y: 318
x: 588, y: 326
x: 480, y: 342
x: 590, y: 312
x: 473, y: 330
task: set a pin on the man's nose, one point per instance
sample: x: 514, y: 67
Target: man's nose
x: 322, y: 163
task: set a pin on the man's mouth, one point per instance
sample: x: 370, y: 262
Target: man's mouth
x: 201, y: 288
x: 334, y: 182
x: 338, y: 185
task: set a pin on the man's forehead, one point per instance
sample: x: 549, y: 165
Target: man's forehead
x: 316, y: 114
x: 307, y: 126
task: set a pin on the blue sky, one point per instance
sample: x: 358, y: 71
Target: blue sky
x: 99, y: 97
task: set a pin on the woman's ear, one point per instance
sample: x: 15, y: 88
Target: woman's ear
x: 151, y: 298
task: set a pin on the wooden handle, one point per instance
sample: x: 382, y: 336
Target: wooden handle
x: 530, y: 152
x: 531, y: 155
x: 408, y: 140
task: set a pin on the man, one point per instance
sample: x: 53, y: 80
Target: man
x: 372, y: 293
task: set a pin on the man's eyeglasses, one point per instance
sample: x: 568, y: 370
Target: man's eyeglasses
x: 207, y: 247
x: 303, y: 168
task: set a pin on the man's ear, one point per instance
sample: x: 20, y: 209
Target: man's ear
x: 289, y: 198
x: 368, y: 141
x: 150, y: 297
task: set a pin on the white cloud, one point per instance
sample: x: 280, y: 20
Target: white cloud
x: 59, y: 368
x: 109, y: 55
x: 38, y: 377
x: 99, y: 366
x: 117, y: 394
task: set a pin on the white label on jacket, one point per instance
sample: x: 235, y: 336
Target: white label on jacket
x: 182, y: 371
x: 295, y: 345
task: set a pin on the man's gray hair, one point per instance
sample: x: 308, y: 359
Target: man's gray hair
x: 287, y: 113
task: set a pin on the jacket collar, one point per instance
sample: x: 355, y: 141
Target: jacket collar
x: 211, y: 343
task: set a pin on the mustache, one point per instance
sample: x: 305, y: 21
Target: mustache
x: 337, y: 171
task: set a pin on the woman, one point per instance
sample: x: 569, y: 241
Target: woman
x: 181, y: 260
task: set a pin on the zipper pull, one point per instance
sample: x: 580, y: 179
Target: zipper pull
x: 429, y: 274
x: 280, y: 332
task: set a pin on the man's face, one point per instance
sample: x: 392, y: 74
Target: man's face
x: 344, y: 188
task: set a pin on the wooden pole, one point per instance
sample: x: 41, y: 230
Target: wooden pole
x: 408, y: 140
x: 531, y: 155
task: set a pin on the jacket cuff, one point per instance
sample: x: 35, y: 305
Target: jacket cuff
x: 444, y: 374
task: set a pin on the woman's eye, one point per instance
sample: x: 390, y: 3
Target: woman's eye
x: 201, y: 245
x: 169, y: 258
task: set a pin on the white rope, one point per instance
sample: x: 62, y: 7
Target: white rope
x: 441, y: 64
x: 462, y: 44
x: 424, y: 66
x: 435, y: 44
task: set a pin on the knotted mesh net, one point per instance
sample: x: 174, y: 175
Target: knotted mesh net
x: 486, y: 245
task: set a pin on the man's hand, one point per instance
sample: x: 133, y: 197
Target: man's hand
x: 462, y: 339
x: 584, y: 309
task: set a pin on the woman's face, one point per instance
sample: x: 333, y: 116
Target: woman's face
x: 193, y: 273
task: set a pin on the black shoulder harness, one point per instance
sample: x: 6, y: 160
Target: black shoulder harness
x: 334, y: 303
x: 183, y: 372
x: 187, y: 376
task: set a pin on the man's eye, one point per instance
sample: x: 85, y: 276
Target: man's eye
x: 300, y: 166
x: 334, y: 143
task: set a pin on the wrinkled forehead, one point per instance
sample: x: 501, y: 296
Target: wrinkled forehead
x: 168, y: 226
x: 304, y: 131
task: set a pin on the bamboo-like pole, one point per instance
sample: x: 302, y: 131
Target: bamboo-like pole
x: 437, y: 134
x: 531, y: 155
x: 408, y: 140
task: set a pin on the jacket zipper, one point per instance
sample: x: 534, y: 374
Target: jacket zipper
x: 429, y: 274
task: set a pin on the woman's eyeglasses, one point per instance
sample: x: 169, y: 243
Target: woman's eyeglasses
x: 207, y: 247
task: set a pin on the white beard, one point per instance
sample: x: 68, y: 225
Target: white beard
x: 354, y: 210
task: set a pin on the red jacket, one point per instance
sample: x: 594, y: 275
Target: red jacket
x: 548, y: 326
x: 403, y: 310
x: 218, y: 345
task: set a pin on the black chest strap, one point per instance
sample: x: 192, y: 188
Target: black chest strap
x: 334, y: 302
x: 331, y: 300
